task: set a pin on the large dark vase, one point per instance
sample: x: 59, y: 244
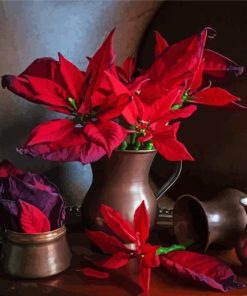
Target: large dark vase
x: 122, y: 182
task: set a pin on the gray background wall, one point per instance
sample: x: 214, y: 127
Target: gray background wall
x: 32, y: 29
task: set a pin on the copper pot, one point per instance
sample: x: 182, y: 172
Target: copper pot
x: 220, y: 220
x: 241, y: 247
x: 38, y: 255
x: 122, y: 182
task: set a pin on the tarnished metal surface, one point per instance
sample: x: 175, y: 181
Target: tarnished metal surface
x: 36, y: 255
x: 220, y: 220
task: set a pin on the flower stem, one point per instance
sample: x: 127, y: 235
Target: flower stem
x: 172, y: 248
x: 123, y: 146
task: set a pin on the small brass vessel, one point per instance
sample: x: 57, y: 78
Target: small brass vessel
x: 38, y: 255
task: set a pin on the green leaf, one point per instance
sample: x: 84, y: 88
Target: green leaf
x: 137, y: 146
x: 73, y: 103
x: 123, y: 146
x: 133, y: 137
x: 186, y: 96
x: 176, y: 106
x: 149, y: 145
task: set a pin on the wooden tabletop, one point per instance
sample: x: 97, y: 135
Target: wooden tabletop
x: 122, y: 282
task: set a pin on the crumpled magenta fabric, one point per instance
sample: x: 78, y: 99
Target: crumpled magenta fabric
x: 16, y: 188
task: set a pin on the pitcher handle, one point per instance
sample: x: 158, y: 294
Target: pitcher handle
x: 168, y: 184
x: 165, y: 215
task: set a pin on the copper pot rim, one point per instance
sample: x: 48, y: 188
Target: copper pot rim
x: 135, y: 152
x: 35, y: 238
x: 198, y: 202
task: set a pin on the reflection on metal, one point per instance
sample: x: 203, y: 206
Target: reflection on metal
x: 36, y: 255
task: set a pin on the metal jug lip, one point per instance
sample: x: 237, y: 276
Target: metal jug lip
x: 34, y: 238
x: 243, y: 201
x: 191, y: 198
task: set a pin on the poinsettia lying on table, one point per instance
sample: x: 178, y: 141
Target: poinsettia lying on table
x: 149, y: 103
x: 185, y: 264
x: 28, y: 202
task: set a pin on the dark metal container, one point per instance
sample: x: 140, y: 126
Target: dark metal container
x: 221, y: 220
x: 36, y: 255
x: 122, y: 182
x: 241, y: 247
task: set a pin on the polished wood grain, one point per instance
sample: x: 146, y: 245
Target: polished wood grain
x: 122, y: 282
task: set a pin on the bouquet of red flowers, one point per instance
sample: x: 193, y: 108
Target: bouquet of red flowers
x: 111, y: 107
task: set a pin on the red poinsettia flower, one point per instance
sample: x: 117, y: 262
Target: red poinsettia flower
x: 202, y: 61
x: 64, y: 88
x: 151, y: 120
x: 152, y: 123
x: 184, y: 264
x: 136, y: 234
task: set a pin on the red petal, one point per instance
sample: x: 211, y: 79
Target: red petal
x: 141, y: 222
x: 129, y: 67
x: 152, y: 91
x: 116, y: 261
x: 107, y: 243
x: 74, y: 146
x: 108, y: 135
x: 45, y: 68
x: 7, y: 169
x: 51, y: 131
x: 150, y: 258
x: 49, y: 92
x: 112, y: 107
x: 179, y: 59
x: 117, y: 223
x: 198, y: 77
x: 138, y: 84
x: 83, y: 152
x: 94, y: 273
x: 201, y: 268
x: 180, y: 113
x: 60, y: 140
x: 218, y: 65
x: 19, y: 86
x: 117, y: 87
x: 162, y: 106
x: 130, y: 112
x: 100, y: 62
x: 161, y: 44
x: 91, y: 152
x: 165, y: 142
x: 32, y: 219
x: 144, y: 277
x: 73, y: 77
x: 214, y: 96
